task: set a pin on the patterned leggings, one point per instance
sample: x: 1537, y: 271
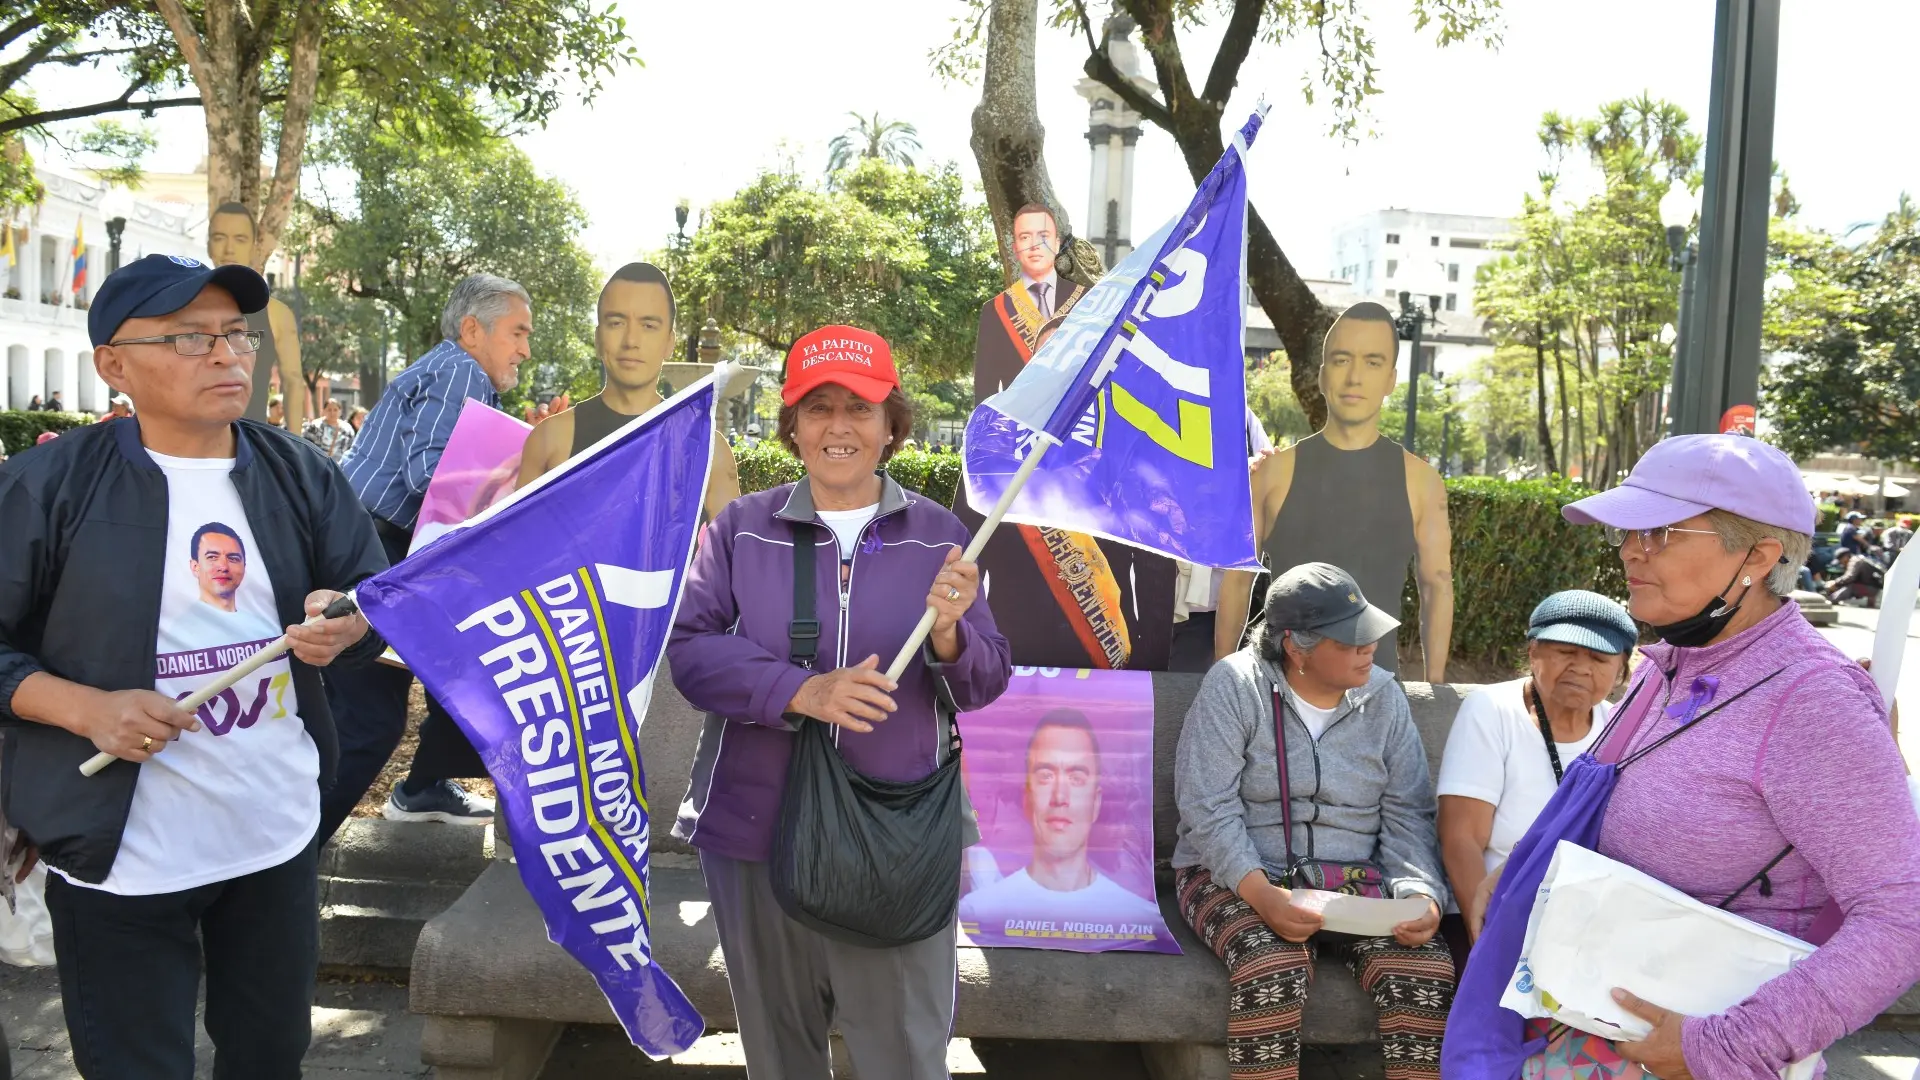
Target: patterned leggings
x: 1412, y: 988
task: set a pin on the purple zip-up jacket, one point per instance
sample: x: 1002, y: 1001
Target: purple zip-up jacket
x: 730, y: 645
x: 1808, y: 760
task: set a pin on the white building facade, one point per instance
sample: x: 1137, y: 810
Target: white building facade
x: 1387, y: 252
x: 43, y: 320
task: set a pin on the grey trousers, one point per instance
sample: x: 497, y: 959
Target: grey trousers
x: 892, y: 1007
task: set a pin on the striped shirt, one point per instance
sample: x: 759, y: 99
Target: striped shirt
x: 400, y: 443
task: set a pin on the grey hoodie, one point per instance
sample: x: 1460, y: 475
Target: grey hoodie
x: 1360, y: 792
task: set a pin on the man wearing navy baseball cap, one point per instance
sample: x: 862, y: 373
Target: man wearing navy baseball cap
x: 197, y: 847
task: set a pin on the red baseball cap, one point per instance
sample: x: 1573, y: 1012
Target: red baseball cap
x: 857, y: 359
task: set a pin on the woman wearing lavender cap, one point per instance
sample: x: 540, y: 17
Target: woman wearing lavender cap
x: 1750, y: 766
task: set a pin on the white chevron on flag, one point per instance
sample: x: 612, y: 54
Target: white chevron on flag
x: 635, y: 588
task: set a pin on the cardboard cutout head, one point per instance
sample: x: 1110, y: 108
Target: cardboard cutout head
x: 1036, y: 240
x: 231, y: 234
x: 1357, y: 364
x: 633, y: 332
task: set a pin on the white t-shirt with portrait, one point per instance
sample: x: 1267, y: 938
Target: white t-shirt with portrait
x: 1495, y: 754
x: 242, y: 794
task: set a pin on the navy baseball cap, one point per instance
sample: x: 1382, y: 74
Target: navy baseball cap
x: 162, y: 285
x: 1586, y: 619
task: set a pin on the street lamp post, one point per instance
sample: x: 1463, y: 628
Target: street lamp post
x: 1676, y: 211
x: 115, y: 205
x: 1411, y: 321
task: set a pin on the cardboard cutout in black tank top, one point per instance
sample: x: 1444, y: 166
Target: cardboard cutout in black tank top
x: 593, y: 421
x: 1349, y: 508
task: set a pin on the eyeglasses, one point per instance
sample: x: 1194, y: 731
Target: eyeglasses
x: 242, y: 342
x: 1652, y: 541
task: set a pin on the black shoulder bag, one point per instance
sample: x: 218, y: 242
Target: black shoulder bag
x: 864, y: 861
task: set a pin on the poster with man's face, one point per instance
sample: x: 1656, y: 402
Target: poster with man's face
x: 1060, y: 771
x: 219, y: 564
x: 633, y: 329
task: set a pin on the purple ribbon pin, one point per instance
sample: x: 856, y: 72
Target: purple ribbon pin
x: 1698, y: 695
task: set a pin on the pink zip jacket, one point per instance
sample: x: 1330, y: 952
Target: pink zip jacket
x: 1806, y: 759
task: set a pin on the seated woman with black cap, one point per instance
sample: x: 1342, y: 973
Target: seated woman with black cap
x: 1300, y: 768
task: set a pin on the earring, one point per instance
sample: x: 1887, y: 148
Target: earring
x: 1748, y: 580
x: 1303, y: 671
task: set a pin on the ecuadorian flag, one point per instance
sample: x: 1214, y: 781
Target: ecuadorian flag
x: 79, y: 261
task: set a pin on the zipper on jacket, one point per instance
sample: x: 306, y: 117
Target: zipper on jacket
x: 1314, y: 800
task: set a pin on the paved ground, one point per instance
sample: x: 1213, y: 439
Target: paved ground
x: 362, y: 1031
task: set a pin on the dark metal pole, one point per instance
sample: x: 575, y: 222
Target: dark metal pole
x: 1686, y: 348
x: 1723, y: 332
x: 1413, y: 386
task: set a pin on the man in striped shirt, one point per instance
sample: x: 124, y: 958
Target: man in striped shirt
x: 487, y: 324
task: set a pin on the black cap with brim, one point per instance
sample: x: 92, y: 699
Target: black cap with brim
x: 1323, y: 599
x: 162, y: 285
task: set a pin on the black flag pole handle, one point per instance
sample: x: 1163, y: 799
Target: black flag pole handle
x: 339, y: 609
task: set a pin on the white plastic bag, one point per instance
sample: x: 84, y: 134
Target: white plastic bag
x: 26, y: 933
x: 1597, y: 924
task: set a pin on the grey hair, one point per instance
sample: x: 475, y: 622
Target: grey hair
x: 1271, y: 638
x: 1742, y: 534
x: 483, y: 296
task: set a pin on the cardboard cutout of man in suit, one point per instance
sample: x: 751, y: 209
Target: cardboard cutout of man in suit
x: 1063, y: 599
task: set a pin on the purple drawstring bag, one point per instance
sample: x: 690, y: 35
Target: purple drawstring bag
x: 1483, y: 1040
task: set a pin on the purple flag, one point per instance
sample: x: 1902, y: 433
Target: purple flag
x: 1142, y: 394
x: 540, y: 625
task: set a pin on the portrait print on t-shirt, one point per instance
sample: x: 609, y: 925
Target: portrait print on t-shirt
x: 242, y: 793
x: 217, y: 560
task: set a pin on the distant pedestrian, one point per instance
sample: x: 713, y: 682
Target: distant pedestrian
x: 277, y: 411
x: 54, y: 404
x: 358, y: 417
x: 120, y: 406
x: 328, y: 432
x: 1895, y: 538
x: 35, y: 405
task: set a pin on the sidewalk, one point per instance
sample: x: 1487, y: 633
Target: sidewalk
x: 362, y: 1031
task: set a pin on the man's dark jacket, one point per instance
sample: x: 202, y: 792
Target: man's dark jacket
x: 83, y: 533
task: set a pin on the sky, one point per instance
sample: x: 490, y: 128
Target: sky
x: 730, y: 88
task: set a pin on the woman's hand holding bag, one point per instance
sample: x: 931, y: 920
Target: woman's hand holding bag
x: 847, y: 697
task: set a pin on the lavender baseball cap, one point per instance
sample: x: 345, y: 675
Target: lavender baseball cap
x: 1687, y: 475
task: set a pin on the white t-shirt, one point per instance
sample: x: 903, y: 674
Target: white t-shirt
x: 846, y: 526
x: 1018, y: 896
x: 1315, y: 717
x: 243, y: 793
x: 1495, y: 754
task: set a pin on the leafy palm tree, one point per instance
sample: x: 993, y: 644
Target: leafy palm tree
x: 892, y: 141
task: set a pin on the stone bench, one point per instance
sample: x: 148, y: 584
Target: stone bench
x: 495, y: 992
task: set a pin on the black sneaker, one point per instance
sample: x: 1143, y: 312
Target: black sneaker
x: 443, y: 801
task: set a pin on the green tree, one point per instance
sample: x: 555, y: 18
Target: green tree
x: 996, y: 39
x: 419, y: 218
x: 892, y: 141
x: 1846, y: 323
x: 445, y: 70
x: 898, y: 251
x: 1590, y: 284
x: 1270, y: 396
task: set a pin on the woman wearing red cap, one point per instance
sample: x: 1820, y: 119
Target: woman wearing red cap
x: 878, y: 548
x: 1750, y: 766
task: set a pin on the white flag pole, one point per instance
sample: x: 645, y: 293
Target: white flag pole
x: 339, y: 609
x: 925, y: 627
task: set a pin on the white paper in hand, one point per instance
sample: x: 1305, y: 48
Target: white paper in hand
x: 1598, y: 924
x: 1362, y: 916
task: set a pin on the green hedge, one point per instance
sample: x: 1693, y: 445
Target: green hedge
x: 933, y: 475
x: 19, y: 429
x: 1511, y: 549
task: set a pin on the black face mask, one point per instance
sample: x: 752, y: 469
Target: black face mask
x: 1698, y: 629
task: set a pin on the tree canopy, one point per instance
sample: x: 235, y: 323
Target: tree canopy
x: 892, y: 141
x: 1588, y: 283
x: 1845, y: 323
x: 896, y: 250
x: 416, y: 219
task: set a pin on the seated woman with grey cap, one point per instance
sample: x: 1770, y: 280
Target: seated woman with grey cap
x: 1299, y: 768
x: 1511, y: 742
